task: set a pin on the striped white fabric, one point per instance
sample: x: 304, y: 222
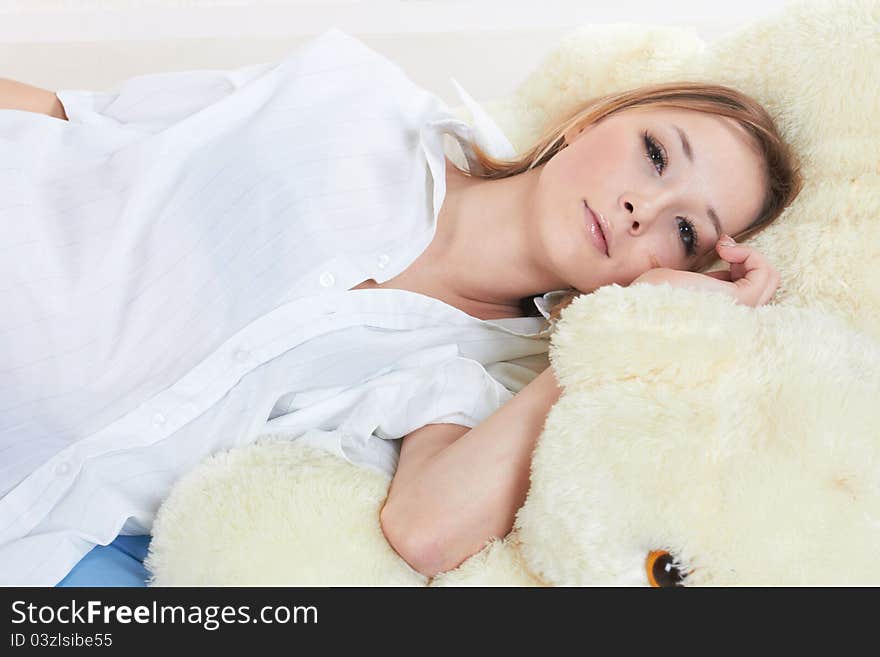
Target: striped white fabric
x: 175, y: 275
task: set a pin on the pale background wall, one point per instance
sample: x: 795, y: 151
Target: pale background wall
x: 487, y: 45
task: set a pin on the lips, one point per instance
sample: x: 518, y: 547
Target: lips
x: 598, y: 230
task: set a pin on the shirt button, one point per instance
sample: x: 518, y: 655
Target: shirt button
x: 383, y: 261
x: 327, y: 279
x: 62, y: 469
x: 158, y: 420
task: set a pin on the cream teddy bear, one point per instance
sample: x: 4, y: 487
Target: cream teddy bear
x: 707, y: 442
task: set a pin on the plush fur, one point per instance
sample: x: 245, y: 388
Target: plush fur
x: 270, y: 513
x: 744, y: 441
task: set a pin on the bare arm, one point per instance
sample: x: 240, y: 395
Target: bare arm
x: 455, y: 488
x: 20, y: 96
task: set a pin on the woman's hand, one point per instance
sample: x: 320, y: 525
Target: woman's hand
x: 751, y: 280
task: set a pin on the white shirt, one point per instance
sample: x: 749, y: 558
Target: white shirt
x: 176, y: 267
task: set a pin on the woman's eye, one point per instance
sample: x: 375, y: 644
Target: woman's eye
x: 688, y: 235
x: 655, y: 153
x: 686, y: 227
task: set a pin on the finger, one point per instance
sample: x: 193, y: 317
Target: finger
x: 731, y: 253
x: 750, y: 272
x: 737, y: 271
x: 770, y: 291
x: 721, y: 274
x: 745, y: 262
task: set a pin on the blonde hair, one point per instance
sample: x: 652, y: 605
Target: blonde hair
x: 782, y: 170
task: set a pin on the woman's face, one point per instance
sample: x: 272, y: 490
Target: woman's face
x: 654, y: 193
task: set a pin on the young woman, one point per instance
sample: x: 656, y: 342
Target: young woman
x: 639, y: 186
x: 645, y: 185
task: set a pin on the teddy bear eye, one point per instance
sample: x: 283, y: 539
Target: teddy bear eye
x: 662, y: 571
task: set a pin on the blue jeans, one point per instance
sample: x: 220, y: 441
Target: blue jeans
x: 117, y: 564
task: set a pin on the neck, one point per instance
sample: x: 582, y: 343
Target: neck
x: 486, y: 249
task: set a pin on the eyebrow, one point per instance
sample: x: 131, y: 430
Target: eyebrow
x: 689, y: 154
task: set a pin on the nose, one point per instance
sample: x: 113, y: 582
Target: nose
x: 634, y: 220
x: 641, y: 211
x: 639, y: 225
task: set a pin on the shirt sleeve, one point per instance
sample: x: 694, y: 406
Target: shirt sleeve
x: 363, y: 424
x: 459, y: 391
x: 152, y: 102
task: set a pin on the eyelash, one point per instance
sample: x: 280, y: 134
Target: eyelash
x: 652, y: 148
